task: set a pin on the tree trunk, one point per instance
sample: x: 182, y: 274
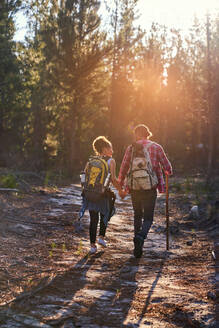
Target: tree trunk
x: 210, y: 106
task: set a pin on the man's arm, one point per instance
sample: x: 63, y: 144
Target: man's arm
x: 165, y: 163
x: 124, y: 166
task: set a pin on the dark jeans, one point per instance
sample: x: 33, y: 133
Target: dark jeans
x: 94, y: 218
x: 143, y: 202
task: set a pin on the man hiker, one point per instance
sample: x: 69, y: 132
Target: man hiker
x: 142, y: 167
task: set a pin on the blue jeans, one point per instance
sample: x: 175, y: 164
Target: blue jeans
x: 143, y: 202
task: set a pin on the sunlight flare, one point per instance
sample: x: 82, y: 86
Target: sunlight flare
x: 178, y: 14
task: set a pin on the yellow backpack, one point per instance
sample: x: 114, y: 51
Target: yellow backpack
x: 96, y: 172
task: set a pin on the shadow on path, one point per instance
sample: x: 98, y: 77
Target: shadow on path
x: 112, y: 308
x: 150, y: 293
x: 53, y: 302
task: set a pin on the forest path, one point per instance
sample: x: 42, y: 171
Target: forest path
x: 52, y: 281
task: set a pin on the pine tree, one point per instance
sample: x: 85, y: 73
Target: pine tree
x: 126, y: 43
x: 74, y: 50
x: 212, y: 33
x: 10, y: 82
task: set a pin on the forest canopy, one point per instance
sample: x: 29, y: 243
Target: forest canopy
x: 74, y: 78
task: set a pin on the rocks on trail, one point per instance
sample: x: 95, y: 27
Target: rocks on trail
x: 48, y: 279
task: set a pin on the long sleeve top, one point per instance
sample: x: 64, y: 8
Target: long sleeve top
x: 159, y: 162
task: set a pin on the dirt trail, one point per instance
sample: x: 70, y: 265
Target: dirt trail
x: 47, y: 278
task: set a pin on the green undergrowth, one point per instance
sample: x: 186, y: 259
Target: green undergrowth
x: 8, y: 181
x: 195, y: 188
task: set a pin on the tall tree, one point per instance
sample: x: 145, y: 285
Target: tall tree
x: 215, y: 78
x: 10, y: 82
x: 209, y: 97
x: 214, y: 52
x: 126, y: 42
x: 149, y: 80
x: 212, y: 63
x: 67, y: 51
x: 75, y: 48
x: 39, y: 92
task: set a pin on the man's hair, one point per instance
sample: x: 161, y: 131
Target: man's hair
x: 99, y: 143
x: 142, y: 131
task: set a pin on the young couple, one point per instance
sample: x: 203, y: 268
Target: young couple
x: 143, y: 201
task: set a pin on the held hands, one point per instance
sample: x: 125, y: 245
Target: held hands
x: 122, y: 193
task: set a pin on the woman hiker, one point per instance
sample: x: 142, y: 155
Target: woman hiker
x: 144, y: 197
x: 101, y: 209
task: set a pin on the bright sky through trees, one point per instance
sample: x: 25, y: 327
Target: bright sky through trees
x: 172, y: 13
x: 20, y: 27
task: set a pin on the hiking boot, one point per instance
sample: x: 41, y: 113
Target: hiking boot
x: 138, y: 243
x: 93, y: 249
x: 102, y: 242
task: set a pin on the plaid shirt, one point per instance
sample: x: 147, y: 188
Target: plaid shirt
x: 159, y: 161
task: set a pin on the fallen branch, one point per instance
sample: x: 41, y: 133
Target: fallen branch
x: 45, y: 282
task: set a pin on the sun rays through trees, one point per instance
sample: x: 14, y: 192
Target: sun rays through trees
x: 74, y: 78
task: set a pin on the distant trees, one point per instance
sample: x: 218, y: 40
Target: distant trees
x: 76, y: 77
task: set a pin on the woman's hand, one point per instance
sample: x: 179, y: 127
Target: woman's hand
x: 122, y: 193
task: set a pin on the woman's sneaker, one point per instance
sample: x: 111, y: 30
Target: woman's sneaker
x: 93, y: 249
x: 102, y: 242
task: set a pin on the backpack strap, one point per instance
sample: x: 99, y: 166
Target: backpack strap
x: 106, y: 168
x: 148, y: 158
x: 151, y: 172
x: 109, y: 160
x: 131, y: 162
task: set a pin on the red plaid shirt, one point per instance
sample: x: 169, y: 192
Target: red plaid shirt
x: 159, y: 161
